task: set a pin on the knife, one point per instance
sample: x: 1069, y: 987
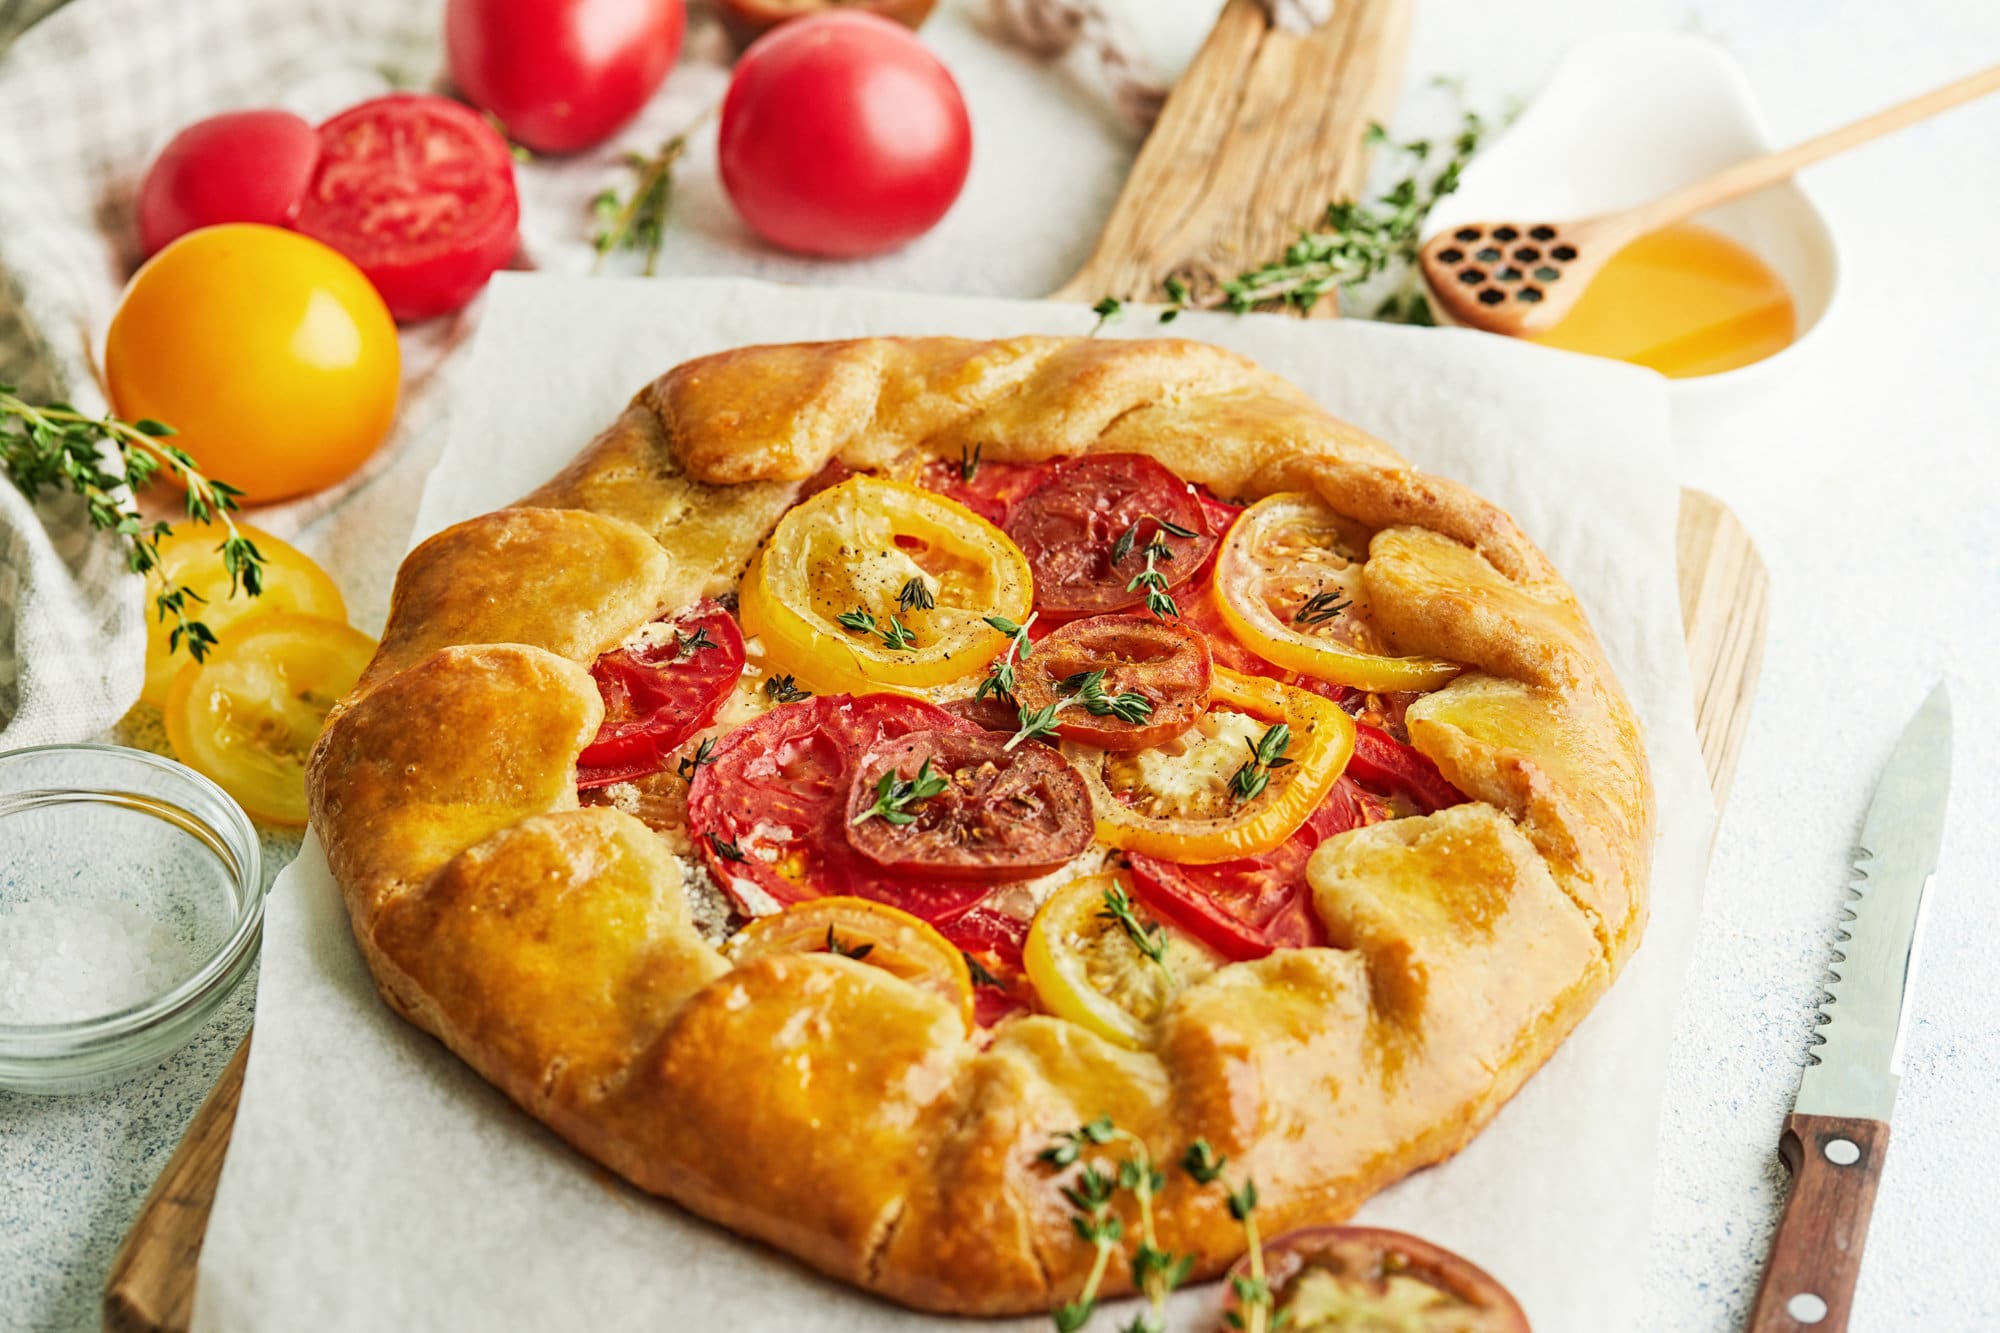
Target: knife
x: 1838, y: 1131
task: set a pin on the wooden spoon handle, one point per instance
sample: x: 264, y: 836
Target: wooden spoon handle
x: 1757, y: 172
x: 1808, y: 1284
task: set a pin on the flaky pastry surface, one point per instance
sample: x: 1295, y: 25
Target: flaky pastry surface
x: 551, y: 947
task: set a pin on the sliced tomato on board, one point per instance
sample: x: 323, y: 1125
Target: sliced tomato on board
x: 1330, y: 1277
x: 419, y: 192
x: 1254, y: 905
x: 1073, y: 528
x: 660, y: 692
x: 769, y: 813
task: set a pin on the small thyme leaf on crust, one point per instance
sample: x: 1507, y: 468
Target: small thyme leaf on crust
x: 981, y: 975
x: 968, y: 463
x: 916, y: 595
x: 1106, y: 310
x: 56, y: 447
x: 834, y: 944
x: 1266, y: 756
x: 1320, y: 608
x: 1000, y: 675
x: 687, y: 645
x: 724, y: 848
x: 704, y: 754
x: 894, y: 795
x: 785, y: 690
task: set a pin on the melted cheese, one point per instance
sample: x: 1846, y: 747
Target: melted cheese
x: 1189, y: 777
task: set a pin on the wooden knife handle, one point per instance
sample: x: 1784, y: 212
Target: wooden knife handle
x: 1809, y: 1282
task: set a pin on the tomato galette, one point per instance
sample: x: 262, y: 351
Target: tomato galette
x: 872, y: 759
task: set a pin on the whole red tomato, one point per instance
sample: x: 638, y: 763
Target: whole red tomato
x: 842, y: 135
x: 242, y: 166
x: 562, y: 75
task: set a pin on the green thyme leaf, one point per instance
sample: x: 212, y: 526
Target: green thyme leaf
x: 785, y: 690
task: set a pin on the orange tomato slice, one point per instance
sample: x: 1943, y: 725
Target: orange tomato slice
x: 868, y: 932
x: 1289, y: 582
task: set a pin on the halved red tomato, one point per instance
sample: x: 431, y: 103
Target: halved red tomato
x: 1253, y: 905
x: 1086, y: 526
x: 769, y: 813
x: 660, y: 688
x: 1164, y: 664
x: 1366, y: 1277
x: 978, y: 810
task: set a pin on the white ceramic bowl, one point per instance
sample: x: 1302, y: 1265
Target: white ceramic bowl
x: 1627, y: 117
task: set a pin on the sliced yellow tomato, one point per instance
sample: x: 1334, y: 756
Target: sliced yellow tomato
x: 247, y: 717
x: 1181, y: 800
x: 875, y: 551
x: 1088, y: 968
x: 869, y: 932
x: 1289, y: 582
x: 191, y: 557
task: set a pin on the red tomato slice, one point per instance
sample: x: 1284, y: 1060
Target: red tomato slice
x: 419, y: 192
x: 993, y: 940
x: 1198, y: 613
x: 1165, y: 664
x: 770, y: 812
x: 1249, y: 907
x: 243, y: 166
x: 1384, y: 764
x: 992, y: 489
x: 1071, y: 527
x: 658, y: 695
x: 1367, y: 1275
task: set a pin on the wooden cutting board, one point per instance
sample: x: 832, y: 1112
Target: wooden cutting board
x: 1261, y: 132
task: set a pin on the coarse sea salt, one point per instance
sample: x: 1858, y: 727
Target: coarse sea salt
x: 63, y: 961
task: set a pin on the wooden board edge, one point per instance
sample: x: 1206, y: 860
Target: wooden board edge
x: 1724, y: 604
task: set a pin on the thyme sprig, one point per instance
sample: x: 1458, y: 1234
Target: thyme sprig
x: 639, y: 221
x: 1148, y: 937
x: 1253, y: 1312
x: 1086, y: 690
x: 56, y: 447
x: 1355, y: 242
x: 895, y: 635
x: 834, y: 944
x: 725, y: 848
x: 1107, y: 310
x: 1122, y: 547
x: 1320, y: 608
x: 968, y: 463
x: 785, y: 690
x: 703, y: 756
x: 916, y: 595
x: 895, y: 794
x: 687, y: 645
x: 1267, y: 755
x: 1000, y: 675
x: 1156, y: 1272
x: 1158, y: 600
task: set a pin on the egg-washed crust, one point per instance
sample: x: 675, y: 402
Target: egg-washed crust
x: 821, y: 1105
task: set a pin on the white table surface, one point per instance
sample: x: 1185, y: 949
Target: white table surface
x: 1870, y: 479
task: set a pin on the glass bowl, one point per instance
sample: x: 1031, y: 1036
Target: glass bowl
x: 131, y: 904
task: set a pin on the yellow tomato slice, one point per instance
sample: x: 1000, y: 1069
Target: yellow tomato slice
x: 1087, y: 968
x: 862, y: 549
x: 870, y: 932
x: 1289, y: 583
x: 248, y: 716
x: 191, y: 557
x: 1178, y: 800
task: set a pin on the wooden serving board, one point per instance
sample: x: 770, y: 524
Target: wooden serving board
x: 1263, y: 130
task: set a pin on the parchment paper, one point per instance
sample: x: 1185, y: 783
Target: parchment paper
x: 374, y: 1182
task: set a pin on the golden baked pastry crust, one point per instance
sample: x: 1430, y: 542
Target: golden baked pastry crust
x: 550, y: 946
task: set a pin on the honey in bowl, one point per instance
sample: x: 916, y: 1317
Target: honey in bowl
x: 1685, y: 301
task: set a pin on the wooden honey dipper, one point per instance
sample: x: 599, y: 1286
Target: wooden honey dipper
x: 1521, y: 278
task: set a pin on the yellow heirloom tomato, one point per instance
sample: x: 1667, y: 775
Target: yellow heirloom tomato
x: 1237, y: 783
x: 1290, y: 584
x: 875, y: 584
x: 191, y: 557
x: 869, y: 932
x: 248, y: 716
x: 1087, y: 966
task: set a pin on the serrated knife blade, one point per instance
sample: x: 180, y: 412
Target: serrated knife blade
x: 1838, y: 1131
